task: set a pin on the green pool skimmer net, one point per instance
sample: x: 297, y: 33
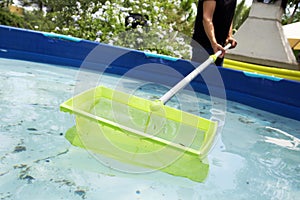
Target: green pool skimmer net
x: 141, y: 132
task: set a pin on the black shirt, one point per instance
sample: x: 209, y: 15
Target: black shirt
x: 222, y: 19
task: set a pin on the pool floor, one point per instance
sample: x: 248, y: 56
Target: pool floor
x: 257, y: 155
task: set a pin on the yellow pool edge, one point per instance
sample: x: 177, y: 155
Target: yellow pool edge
x: 260, y: 69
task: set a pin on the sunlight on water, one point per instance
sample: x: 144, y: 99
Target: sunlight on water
x: 256, y: 157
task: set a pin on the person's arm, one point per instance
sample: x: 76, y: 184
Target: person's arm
x: 230, y: 39
x: 208, y: 13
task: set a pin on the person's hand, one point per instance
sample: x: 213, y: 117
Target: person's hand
x: 232, y: 41
x: 217, y: 47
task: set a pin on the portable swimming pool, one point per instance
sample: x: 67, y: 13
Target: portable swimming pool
x: 256, y: 156
x: 263, y: 91
x: 253, y: 158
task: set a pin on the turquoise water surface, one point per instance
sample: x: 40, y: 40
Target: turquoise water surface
x: 257, y: 155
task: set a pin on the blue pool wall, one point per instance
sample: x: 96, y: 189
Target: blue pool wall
x: 279, y: 96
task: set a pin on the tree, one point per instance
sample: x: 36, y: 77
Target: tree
x: 241, y: 14
x: 36, y: 3
x: 5, y: 3
x: 292, y: 12
x: 104, y: 20
x: 10, y: 19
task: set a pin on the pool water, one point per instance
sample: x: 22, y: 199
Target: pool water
x: 257, y: 155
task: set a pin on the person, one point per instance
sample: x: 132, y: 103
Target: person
x: 213, y: 28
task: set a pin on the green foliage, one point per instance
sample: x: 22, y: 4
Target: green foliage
x: 292, y: 12
x: 5, y: 3
x: 9, y: 19
x: 241, y: 14
x: 104, y: 21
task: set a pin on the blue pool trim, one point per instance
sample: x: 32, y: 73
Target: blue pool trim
x: 279, y: 96
x: 263, y: 76
x: 63, y: 37
x: 153, y: 55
